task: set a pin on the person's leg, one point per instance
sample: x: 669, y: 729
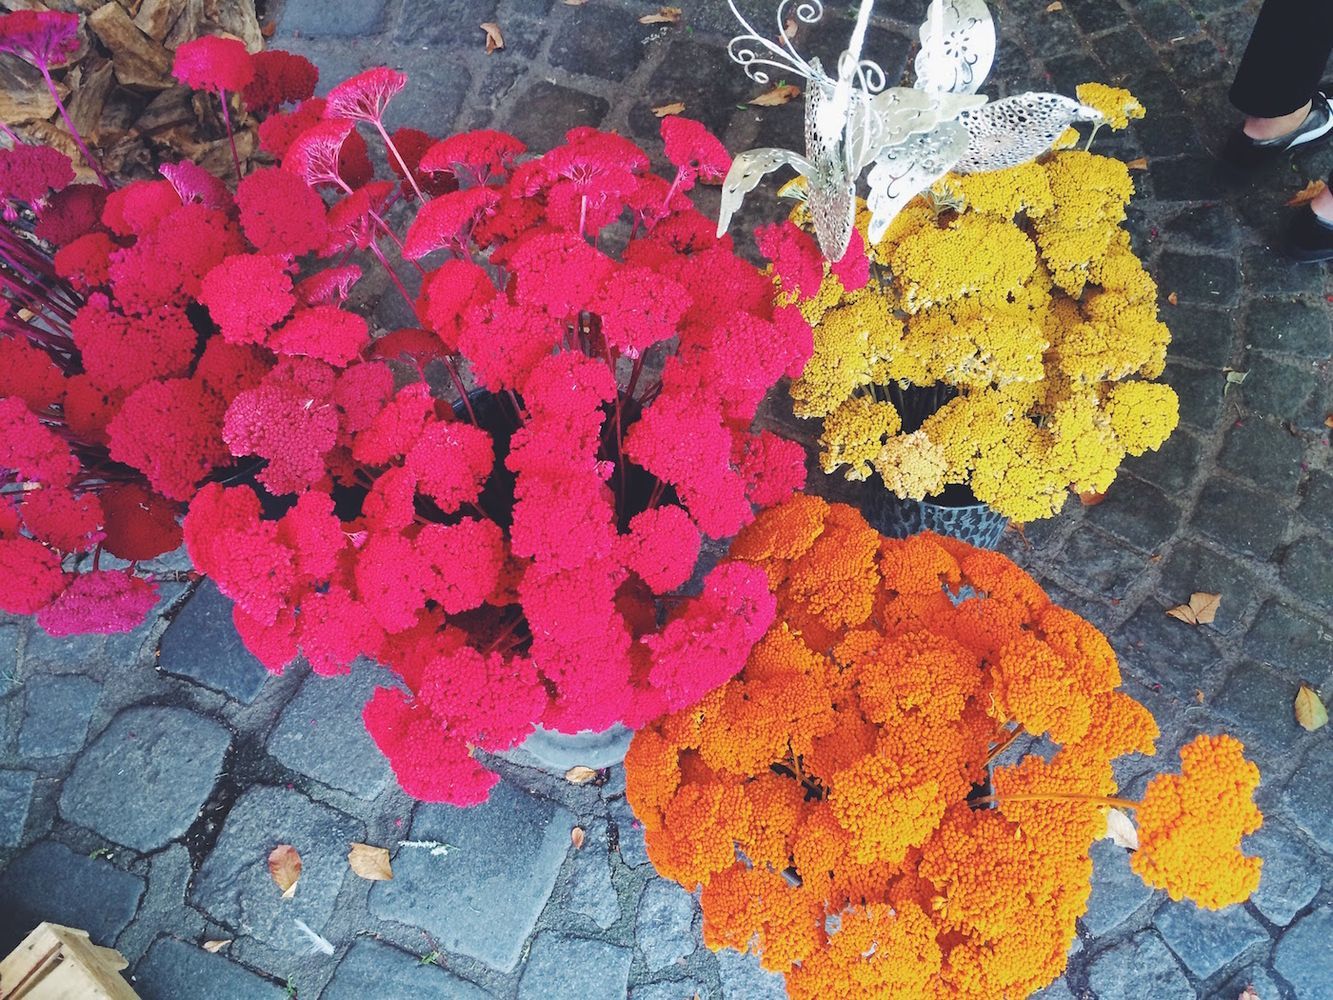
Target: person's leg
x: 1282, y: 65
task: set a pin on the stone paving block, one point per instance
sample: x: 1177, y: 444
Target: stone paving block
x: 15, y: 800
x: 680, y: 989
x: 332, y: 18
x: 1317, y: 505
x: 570, y: 968
x: 56, y: 712
x: 320, y: 733
x: 1290, y: 876
x: 1156, y: 649
x: 744, y: 979
x: 1304, y: 957
x: 1254, y: 977
x: 48, y: 881
x: 1205, y: 280
x: 1165, y: 20
x: 1117, y: 892
x: 1277, y: 386
x: 234, y: 887
x: 9, y: 657
x: 1258, y: 700
x: 1274, y: 275
x: 630, y: 834
x: 454, y: 23
x: 1058, y: 990
x: 1098, y: 562
x: 1223, y: 505
x: 374, y: 969
x: 174, y: 969
x: 1290, y: 327
x: 588, y: 887
x: 1095, y: 15
x: 1206, y: 940
x: 1172, y: 467
x: 1140, y: 514
x: 703, y: 78
x: 580, y: 43
x: 1209, y: 226
x: 1265, y: 453
x: 1201, y: 333
x: 546, y: 111
x: 483, y: 898
x: 1306, y: 796
x: 142, y: 781
x: 201, y: 645
x: 1200, y: 391
x: 1291, y: 641
x: 434, y: 95
x: 1138, y: 968
x: 664, y: 926
x: 1307, y: 568
x: 1181, y: 178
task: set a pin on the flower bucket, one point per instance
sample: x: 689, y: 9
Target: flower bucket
x: 549, y: 750
x: 956, y: 513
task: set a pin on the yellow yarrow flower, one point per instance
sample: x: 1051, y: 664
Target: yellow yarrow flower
x: 854, y: 434
x: 912, y: 466
x: 1142, y: 415
x: 1117, y: 105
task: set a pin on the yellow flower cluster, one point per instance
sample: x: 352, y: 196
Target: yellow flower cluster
x: 1019, y: 289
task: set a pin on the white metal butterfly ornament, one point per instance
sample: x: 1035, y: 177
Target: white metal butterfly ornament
x: 908, y: 137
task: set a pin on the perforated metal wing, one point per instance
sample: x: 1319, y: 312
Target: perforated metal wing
x: 905, y: 170
x: 1013, y: 130
x: 957, y: 46
x: 747, y: 170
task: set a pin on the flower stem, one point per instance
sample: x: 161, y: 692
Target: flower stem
x: 231, y: 137
x: 388, y: 143
x: 74, y: 132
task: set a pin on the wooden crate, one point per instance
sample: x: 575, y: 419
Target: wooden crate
x: 60, y: 963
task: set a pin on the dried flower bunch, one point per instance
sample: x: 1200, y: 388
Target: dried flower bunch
x: 1016, y: 292
x: 826, y: 799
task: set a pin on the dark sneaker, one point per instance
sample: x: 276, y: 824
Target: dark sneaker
x: 1309, y: 239
x: 1242, y: 151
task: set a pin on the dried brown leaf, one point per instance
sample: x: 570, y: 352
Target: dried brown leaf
x: 664, y: 15
x: 674, y: 108
x: 1249, y: 993
x: 790, y: 27
x: 216, y: 945
x: 1091, y: 498
x: 1141, y: 163
x: 1307, y: 194
x: 783, y: 93
x: 370, y: 862
x: 1051, y: 8
x: 576, y: 837
x: 494, y: 40
x: 579, y: 774
x: 1174, y: 299
x: 284, y: 865
x: 1120, y: 830
x: 1328, y: 420
x: 1310, y: 711
x: 1201, y: 609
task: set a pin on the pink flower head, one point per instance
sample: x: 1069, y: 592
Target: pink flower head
x: 30, y: 576
x: 33, y: 451
x: 352, y: 221
x: 412, y: 145
x: 280, y: 213
x: 248, y: 295
x: 853, y: 270
x: 288, y: 419
x: 86, y: 261
x: 362, y: 391
x: 363, y: 97
x: 323, y: 332
x: 429, y: 763
x: 166, y: 266
x: 29, y: 373
x: 487, y: 700
x: 280, y: 78
x: 479, y: 155
x: 773, y: 467
x: 313, y: 532
x: 560, y: 272
x: 139, y: 523
x: 214, y: 63
x: 279, y: 130
x: 447, y: 221
x: 795, y: 256
x: 393, y: 578
x: 43, y: 37
x: 99, y: 602
x: 504, y: 342
x: 227, y: 541
x: 170, y: 431
x: 195, y: 184
x: 140, y: 206
x: 271, y: 643
x: 449, y: 293
x: 121, y: 353
x: 694, y: 149
x: 329, y: 287
x: 662, y: 547
x: 396, y: 427
x: 30, y: 173
x: 335, y: 628
x: 226, y: 370
x: 639, y: 308
x: 64, y: 520
x: 70, y: 213
x: 467, y: 558
x: 451, y: 462
x: 314, y: 154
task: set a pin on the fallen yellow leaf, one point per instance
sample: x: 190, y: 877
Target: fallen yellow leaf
x: 1201, y: 609
x: 371, y: 863
x: 674, y: 108
x: 1051, y: 8
x: 1307, y: 194
x: 1120, y: 830
x: 284, y: 866
x: 494, y: 40
x: 1310, y: 711
x: 1139, y: 164
x: 1328, y: 420
x: 664, y: 15
x: 579, y: 774
x: 782, y: 94
x: 1091, y: 498
x: 576, y: 838
x: 212, y: 947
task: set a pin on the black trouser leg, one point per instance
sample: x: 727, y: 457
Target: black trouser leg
x: 1285, y: 57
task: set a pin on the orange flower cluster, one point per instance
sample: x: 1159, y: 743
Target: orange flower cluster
x: 826, y: 798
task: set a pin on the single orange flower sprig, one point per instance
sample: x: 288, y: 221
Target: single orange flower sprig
x: 825, y: 800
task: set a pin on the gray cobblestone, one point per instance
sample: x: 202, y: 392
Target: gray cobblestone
x: 56, y: 712
x: 201, y: 645
x: 1136, y: 968
x: 1303, y: 956
x: 1291, y: 327
x: 161, y: 762
x: 15, y: 799
x: 1207, y: 940
x: 1290, y: 877
x: 336, y: 18
x: 173, y: 970
x: 1306, y: 796
x: 1307, y: 568
x: 569, y: 968
x: 481, y: 899
x: 744, y: 979
x: 374, y: 969
x: 1117, y: 893
x: 48, y: 881
x: 664, y: 927
x: 1290, y: 640
x: 588, y: 886
x: 629, y: 834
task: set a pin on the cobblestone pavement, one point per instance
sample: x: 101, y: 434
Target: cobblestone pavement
x: 113, y: 815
